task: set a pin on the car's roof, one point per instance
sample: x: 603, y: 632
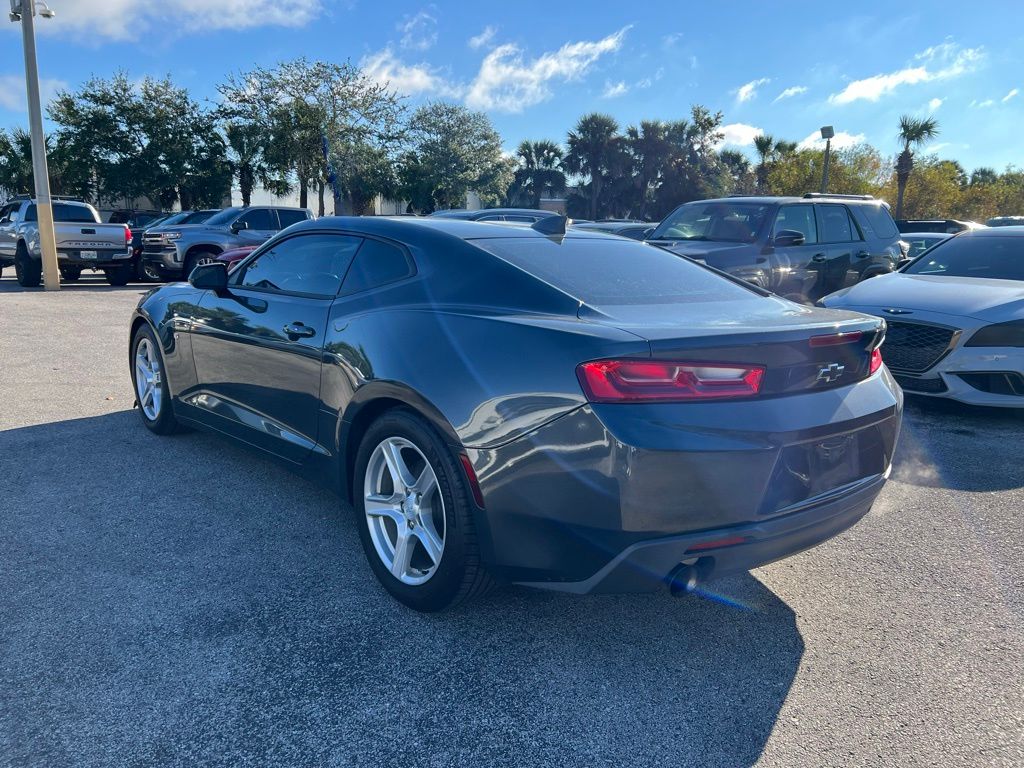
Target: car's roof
x: 993, y: 232
x: 409, y: 229
x: 771, y: 200
x: 461, y: 213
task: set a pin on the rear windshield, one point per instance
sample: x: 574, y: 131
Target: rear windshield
x: 612, y: 272
x: 721, y: 222
x: 64, y: 212
x: 1000, y: 258
x: 880, y: 219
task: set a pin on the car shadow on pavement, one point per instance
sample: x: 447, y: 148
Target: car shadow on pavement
x: 173, y: 600
x: 85, y: 283
x: 945, y: 444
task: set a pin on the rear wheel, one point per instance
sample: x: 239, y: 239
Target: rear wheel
x: 119, y: 275
x: 152, y: 394
x: 29, y: 271
x: 415, y: 515
x: 196, y: 258
x: 70, y: 274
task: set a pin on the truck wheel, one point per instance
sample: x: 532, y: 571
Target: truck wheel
x: 196, y: 258
x: 147, y: 273
x: 119, y: 275
x: 70, y: 274
x: 28, y: 271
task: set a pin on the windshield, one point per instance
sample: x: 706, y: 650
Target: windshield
x: 723, y: 222
x: 197, y: 217
x: 223, y: 217
x: 606, y: 272
x: 999, y: 258
x: 65, y: 212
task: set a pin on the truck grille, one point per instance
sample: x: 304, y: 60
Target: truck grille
x: 916, y: 347
x: 148, y: 238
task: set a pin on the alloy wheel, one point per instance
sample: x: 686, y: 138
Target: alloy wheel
x: 404, y: 511
x: 147, y: 379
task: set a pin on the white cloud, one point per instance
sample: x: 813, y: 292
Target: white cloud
x: 12, y: 91
x: 127, y: 19
x: 644, y: 83
x: 1010, y: 95
x: 419, y: 31
x: 749, y: 90
x: 933, y: 148
x: 408, y: 79
x: 669, y: 40
x: 738, y: 135
x: 841, y: 140
x: 479, y: 41
x: 507, y: 82
x: 940, y: 62
x: 934, y: 104
x: 612, y: 90
x: 982, y: 104
x: 794, y: 90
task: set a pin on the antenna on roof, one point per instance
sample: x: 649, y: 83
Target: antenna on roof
x: 551, y: 225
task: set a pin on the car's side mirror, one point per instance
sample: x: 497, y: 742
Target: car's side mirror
x: 788, y: 237
x: 647, y: 233
x: 238, y: 226
x: 210, y: 277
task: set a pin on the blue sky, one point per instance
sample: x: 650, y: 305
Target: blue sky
x: 535, y: 67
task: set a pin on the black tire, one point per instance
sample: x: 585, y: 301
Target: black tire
x: 70, y: 274
x: 119, y: 275
x: 145, y: 273
x: 460, y: 575
x: 195, y: 258
x: 164, y: 423
x: 29, y: 271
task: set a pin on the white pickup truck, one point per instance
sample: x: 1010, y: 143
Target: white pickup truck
x: 83, y: 241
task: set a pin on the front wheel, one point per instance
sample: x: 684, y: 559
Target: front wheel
x: 152, y: 394
x: 415, y: 515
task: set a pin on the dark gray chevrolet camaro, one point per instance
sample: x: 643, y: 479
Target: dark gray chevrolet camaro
x: 577, y: 412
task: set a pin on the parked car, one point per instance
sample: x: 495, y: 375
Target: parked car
x: 82, y: 242
x: 235, y: 255
x: 798, y: 247
x: 437, y: 374
x: 948, y: 226
x: 134, y: 217
x: 174, y: 251
x: 635, y: 230
x: 1005, y: 221
x: 919, y: 242
x: 955, y: 318
x: 519, y: 215
x: 147, y: 271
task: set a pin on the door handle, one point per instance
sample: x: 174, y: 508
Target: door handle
x: 862, y: 254
x: 819, y: 257
x: 299, y: 331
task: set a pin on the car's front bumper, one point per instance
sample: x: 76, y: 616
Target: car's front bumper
x: 164, y: 258
x: 990, y: 376
x: 612, y: 497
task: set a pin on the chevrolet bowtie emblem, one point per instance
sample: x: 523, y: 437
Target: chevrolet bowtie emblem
x: 830, y: 373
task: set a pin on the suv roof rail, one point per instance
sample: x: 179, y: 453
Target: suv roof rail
x: 62, y: 198
x: 839, y: 197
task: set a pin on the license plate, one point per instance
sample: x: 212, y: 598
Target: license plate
x: 87, y: 254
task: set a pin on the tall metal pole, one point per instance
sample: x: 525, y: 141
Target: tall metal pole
x: 824, y: 173
x: 44, y: 207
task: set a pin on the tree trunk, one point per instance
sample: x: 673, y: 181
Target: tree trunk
x: 320, y: 197
x: 595, y: 192
x: 303, y: 193
x: 904, y: 165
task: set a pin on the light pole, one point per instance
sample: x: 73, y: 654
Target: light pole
x: 24, y: 11
x: 826, y: 133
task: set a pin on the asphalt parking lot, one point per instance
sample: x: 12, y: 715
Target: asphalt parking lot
x: 180, y: 601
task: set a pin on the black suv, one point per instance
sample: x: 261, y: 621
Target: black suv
x: 799, y: 247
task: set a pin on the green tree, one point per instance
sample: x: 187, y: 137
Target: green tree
x: 914, y: 131
x: 651, y: 150
x: 742, y: 176
x: 16, y: 161
x: 595, y: 150
x: 539, y: 170
x: 453, y: 151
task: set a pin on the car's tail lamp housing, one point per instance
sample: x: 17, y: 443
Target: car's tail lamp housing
x: 127, y: 235
x: 630, y: 381
x: 876, y: 361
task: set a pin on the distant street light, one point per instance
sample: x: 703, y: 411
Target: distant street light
x: 827, y: 133
x: 24, y: 11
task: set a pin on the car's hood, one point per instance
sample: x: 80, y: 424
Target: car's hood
x: 700, y: 249
x: 981, y: 298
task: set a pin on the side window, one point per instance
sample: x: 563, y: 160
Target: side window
x: 376, y: 264
x: 492, y: 218
x: 798, y: 218
x: 259, y: 218
x: 835, y: 224
x: 7, y: 212
x: 313, y: 264
x: 522, y: 219
x: 290, y: 217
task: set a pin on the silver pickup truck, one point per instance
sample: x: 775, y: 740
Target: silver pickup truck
x: 83, y: 241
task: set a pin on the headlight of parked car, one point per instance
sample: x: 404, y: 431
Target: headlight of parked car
x: 1009, y: 334
x: 172, y: 235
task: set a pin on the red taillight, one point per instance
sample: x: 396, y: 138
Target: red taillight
x: 621, y: 381
x: 127, y: 235
x: 876, y: 360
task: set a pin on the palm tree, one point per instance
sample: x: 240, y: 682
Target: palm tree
x: 651, y: 152
x: 914, y: 131
x: 764, y: 145
x: 594, y: 147
x: 540, y: 170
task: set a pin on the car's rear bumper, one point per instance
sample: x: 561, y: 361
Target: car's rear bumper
x: 612, y: 498
x: 103, y: 258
